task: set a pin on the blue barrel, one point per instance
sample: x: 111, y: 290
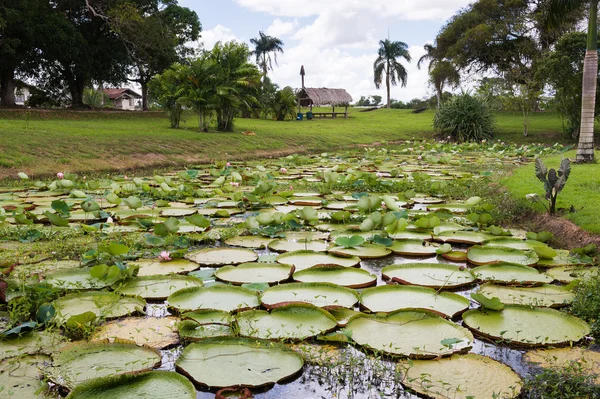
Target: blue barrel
x: 300, y: 116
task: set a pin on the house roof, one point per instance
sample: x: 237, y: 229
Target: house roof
x: 114, y: 94
x: 323, y: 96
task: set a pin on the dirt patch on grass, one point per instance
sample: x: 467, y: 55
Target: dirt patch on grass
x: 567, y: 234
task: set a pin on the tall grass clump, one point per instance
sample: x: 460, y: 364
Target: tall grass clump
x: 465, y: 118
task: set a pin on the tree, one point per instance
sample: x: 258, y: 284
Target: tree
x: 387, y: 63
x: 154, y: 33
x: 556, y: 15
x: 441, y: 71
x: 264, y: 45
x: 284, y: 104
x: 200, y: 91
x: 168, y: 89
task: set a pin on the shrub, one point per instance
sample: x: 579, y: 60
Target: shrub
x: 465, y: 118
x: 586, y: 304
x: 570, y: 382
x: 284, y: 104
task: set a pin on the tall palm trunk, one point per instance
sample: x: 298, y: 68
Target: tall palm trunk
x: 387, y: 83
x: 585, y: 149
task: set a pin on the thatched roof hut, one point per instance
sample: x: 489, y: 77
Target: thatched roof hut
x: 308, y: 97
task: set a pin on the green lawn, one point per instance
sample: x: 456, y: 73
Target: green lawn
x: 43, y: 143
x: 582, y: 191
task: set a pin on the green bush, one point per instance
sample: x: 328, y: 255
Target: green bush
x: 570, y: 382
x: 586, y: 304
x: 465, y: 118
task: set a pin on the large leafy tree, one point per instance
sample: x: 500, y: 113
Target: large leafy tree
x: 200, y: 87
x: 169, y: 89
x: 264, y: 46
x: 154, y: 33
x: 388, y: 64
x: 441, y: 71
x: 558, y: 9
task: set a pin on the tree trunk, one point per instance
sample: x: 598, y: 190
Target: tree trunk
x: 585, y: 149
x: 438, y: 94
x: 76, y: 86
x: 144, y: 84
x: 7, y: 88
x: 387, y: 83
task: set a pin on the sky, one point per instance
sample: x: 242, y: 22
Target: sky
x: 335, y: 40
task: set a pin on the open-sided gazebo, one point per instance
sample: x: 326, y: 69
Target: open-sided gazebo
x: 309, y: 97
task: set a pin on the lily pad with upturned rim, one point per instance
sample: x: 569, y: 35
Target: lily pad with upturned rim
x: 463, y: 237
x: 318, y: 294
x: 253, y: 242
x: 20, y: 377
x: 153, y: 267
x: 154, y: 332
x: 217, y: 297
x: 512, y: 274
x: 306, y: 259
x: 433, y: 275
x: 568, y: 274
x: 545, y: 295
x: 588, y: 359
x: 189, y: 330
x: 102, y: 304
x: 227, y: 362
x: 157, y: 287
x: 413, y: 248
x: 283, y: 245
x: 483, y: 255
x: 345, y: 276
x: 365, y: 251
x: 222, y: 256
x: 248, y: 273
x: 526, y: 326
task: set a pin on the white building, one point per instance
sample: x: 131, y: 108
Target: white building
x: 125, y: 99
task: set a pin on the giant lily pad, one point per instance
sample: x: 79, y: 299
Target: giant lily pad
x: 587, y: 359
x: 318, y: 294
x: 158, y: 287
x: 413, y: 248
x: 568, y: 274
x: 462, y: 377
x: 30, y: 343
x: 508, y: 242
x: 483, y: 255
x: 303, y: 245
x: 434, y: 275
x: 411, y: 333
x: 254, y: 242
x: 83, y: 361
x: 226, y: 362
x: 75, y: 279
x: 507, y: 273
x: 155, y: 332
x: 527, y: 326
x: 153, y: 267
x: 344, y: 276
x: 305, y: 259
x: 389, y: 298
x: 216, y: 297
x: 295, y: 322
x: 248, y: 273
x: 222, y: 256
x: 150, y: 385
x: 20, y: 377
x: 463, y: 237
x: 545, y: 295
x: 102, y: 304
x: 189, y: 330
x: 365, y: 251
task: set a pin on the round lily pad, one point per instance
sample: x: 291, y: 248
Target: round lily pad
x: 389, y: 298
x: 345, y: 276
x: 462, y: 377
x: 483, y: 255
x: 150, y: 385
x: 463, y: 237
x: 75, y: 279
x: 153, y: 267
x: 84, y: 361
x: 455, y: 256
x: 304, y: 245
x: 20, y: 377
x: 293, y: 322
x: 208, y: 317
x: 226, y: 362
x: 507, y: 273
x: 508, y: 242
x: 568, y: 274
x: 343, y: 315
x: 254, y: 242
x: 411, y: 333
x: 365, y: 251
x: 190, y: 330
x: 526, y: 326
x: 545, y: 295
x: 434, y: 275
x: 30, y: 343
x: 216, y: 297
x: 222, y: 256
x: 305, y: 259
x: 102, y: 304
x: 157, y: 287
x: 154, y: 332
x: 248, y: 273
x: 412, y: 248
x: 318, y: 294
x: 587, y: 359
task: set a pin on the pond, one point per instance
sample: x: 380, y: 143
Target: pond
x: 373, y: 273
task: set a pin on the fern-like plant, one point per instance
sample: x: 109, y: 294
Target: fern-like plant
x: 465, y: 118
x: 553, y: 181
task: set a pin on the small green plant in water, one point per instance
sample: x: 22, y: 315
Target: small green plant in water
x: 554, y: 181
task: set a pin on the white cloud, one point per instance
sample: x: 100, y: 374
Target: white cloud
x: 219, y: 33
x: 281, y: 28
x: 410, y: 10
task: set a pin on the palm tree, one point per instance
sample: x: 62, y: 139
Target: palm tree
x: 264, y: 45
x: 557, y: 10
x: 441, y: 71
x: 387, y: 63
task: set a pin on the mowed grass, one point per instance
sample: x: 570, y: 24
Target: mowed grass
x: 582, y: 191
x: 43, y: 143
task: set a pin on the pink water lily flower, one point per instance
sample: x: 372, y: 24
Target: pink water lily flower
x: 60, y: 175
x: 235, y: 184
x: 419, y: 157
x: 228, y: 164
x: 164, y: 256
x: 283, y: 170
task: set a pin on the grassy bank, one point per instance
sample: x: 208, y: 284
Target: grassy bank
x: 579, y: 198
x: 42, y: 143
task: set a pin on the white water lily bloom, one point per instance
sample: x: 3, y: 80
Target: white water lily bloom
x: 532, y: 197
